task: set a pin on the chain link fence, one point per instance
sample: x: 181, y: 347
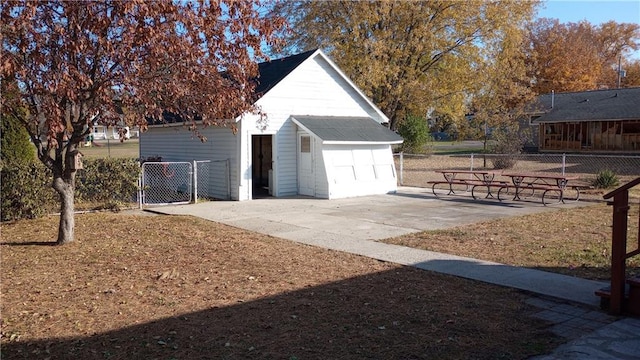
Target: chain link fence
x: 183, y: 182
x: 418, y: 170
x: 212, y: 180
x: 166, y: 183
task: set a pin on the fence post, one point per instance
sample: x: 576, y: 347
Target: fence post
x: 228, y: 174
x: 401, y: 168
x: 471, y: 162
x: 195, y: 182
x: 564, y: 162
x: 140, y: 200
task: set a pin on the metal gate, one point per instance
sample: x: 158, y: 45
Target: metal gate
x: 166, y: 183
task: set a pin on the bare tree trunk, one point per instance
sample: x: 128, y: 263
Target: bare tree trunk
x: 64, y: 185
x: 67, y: 206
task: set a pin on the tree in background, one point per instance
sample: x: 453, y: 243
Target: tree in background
x: 578, y: 56
x: 72, y: 59
x: 632, y: 70
x: 415, y: 132
x: 409, y: 57
x: 504, y: 92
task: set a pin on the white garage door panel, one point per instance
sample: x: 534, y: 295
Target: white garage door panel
x: 359, y: 170
x: 365, y: 173
x: 341, y: 157
x: 344, y: 175
x: 384, y: 172
x: 362, y: 156
x: 382, y: 156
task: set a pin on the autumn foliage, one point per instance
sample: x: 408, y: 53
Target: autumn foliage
x: 77, y: 62
x: 579, y: 56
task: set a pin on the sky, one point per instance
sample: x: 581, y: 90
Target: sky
x: 594, y: 11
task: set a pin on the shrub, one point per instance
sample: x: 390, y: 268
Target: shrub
x: 15, y: 147
x: 107, y: 182
x: 415, y: 132
x: 26, y: 191
x: 509, y: 142
x: 102, y: 184
x: 605, y: 179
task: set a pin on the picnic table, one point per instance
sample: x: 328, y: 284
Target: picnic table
x: 475, y: 178
x: 527, y: 183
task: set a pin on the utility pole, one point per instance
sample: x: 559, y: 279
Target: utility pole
x: 621, y: 73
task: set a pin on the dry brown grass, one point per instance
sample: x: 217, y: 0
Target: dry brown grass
x: 419, y: 170
x: 146, y: 287
x: 575, y: 242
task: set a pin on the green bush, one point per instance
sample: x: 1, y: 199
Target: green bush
x: 15, y: 147
x: 107, y: 183
x: 415, y: 132
x: 605, y: 179
x: 26, y: 191
x: 102, y: 184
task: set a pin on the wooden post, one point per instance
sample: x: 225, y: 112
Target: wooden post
x: 618, y: 250
x: 619, y: 253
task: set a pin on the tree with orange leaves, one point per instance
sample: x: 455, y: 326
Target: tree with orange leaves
x: 578, y: 56
x: 78, y: 61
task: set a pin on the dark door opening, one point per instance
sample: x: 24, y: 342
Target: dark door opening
x: 261, y: 160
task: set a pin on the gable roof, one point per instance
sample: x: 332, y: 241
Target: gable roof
x: 343, y: 130
x: 598, y: 105
x: 271, y: 72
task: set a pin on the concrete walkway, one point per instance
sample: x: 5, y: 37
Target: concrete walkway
x: 353, y: 225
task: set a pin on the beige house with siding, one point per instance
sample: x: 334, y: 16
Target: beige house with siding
x: 589, y: 121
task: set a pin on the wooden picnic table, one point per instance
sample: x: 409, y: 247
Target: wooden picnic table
x: 475, y: 178
x: 545, y: 182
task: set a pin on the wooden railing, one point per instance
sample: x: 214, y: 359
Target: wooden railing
x: 619, y: 253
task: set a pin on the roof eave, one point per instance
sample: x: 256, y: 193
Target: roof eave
x: 338, y: 142
x: 537, y: 121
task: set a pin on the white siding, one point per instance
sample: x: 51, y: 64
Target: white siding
x: 322, y: 185
x: 179, y: 144
x: 313, y: 88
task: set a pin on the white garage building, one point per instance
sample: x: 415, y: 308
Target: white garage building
x: 323, y: 138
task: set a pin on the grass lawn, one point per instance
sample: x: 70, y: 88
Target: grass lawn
x: 574, y: 242
x: 113, y: 148
x: 160, y: 287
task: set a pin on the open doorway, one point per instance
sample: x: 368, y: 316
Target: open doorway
x: 261, y: 160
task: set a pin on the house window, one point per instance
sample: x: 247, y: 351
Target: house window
x: 305, y: 144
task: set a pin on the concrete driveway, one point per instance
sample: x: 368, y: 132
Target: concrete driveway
x: 362, y: 218
x: 350, y: 225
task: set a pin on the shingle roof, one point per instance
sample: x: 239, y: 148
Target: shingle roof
x: 342, y: 129
x: 610, y: 104
x: 271, y: 72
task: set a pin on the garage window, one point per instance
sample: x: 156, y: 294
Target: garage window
x: 305, y: 144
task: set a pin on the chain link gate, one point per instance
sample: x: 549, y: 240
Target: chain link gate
x: 166, y: 183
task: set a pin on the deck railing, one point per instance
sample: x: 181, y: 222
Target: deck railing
x: 619, y: 253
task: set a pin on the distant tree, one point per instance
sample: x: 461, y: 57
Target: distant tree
x: 503, y: 96
x: 409, y: 57
x: 632, y: 74
x: 415, y: 132
x: 75, y: 60
x: 578, y: 56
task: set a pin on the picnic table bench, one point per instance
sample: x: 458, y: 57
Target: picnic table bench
x: 482, y: 178
x: 521, y: 185
x: 526, y: 184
